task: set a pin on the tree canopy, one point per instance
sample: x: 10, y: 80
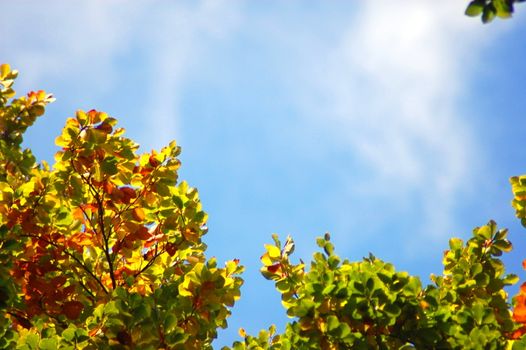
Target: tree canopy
x: 103, y: 249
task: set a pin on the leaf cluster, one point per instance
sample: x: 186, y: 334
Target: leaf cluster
x: 103, y: 249
x: 489, y: 9
x: 367, y: 304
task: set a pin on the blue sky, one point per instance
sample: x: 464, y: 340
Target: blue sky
x: 394, y: 125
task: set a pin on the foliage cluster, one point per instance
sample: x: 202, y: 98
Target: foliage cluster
x: 103, y: 249
x: 369, y: 305
x: 489, y: 9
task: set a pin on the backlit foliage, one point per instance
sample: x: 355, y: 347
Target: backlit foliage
x: 369, y: 305
x: 103, y: 249
x: 489, y: 9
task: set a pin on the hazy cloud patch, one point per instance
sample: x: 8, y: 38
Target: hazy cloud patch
x: 389, y: 89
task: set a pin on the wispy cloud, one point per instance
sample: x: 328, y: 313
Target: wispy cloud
x: 180, y: 38
x: 60, y: 39
x: 389, y: 90
x: 84, y: 46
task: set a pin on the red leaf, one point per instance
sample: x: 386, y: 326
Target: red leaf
x: 171, y: 249
x: 58, y: 281
x: 72, y: 309
x: 128, y: 194
x: 142, y: 233
x: 105, y: 127
x: 153, y: 161
x: 274, y: 268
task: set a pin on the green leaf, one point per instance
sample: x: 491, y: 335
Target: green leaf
x: 503, y: 245
x: 95, y: 136
x: 170, y: 323
x: 455, y: 243
x: 504, y: 9
x: 32, y: 340
x: 328, y: 248
x: 111, y: 308
x: 510, y: 279
x: 109, y: 166
x: 392, y: 310
x: 48, y: 344
x: 9, y: 244
x: 332, y: 323
x: 488, y: 14
x: 283, y: 286
x: 344, y: 330
x: 304, y: 308
x: 478, y: 313
x: 69, y: 334
x: 474, y: 9
x: 81, y: 334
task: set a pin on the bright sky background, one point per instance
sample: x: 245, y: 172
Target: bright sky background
x: 394, y: 125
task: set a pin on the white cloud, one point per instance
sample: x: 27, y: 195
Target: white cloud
x: 61, y: 39
x: 389, y: 91
x: 180, y: 39
x: 83, y: 44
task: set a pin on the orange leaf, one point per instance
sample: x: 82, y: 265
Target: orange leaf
x: 108, y: 187
x: 80, y: 239
x: 78, y: 214
x: 94, y: 331
x: 519, y: 312
x: 153, y: 240
x: 190, y: 235
x: 138, y: 214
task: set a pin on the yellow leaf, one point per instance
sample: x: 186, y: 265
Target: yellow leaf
x: 242, y: 333
x: 4, y: 70
x: 273, y: 251
x: 266, y: 260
